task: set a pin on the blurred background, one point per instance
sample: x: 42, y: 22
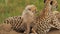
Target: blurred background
x: 10, y: 8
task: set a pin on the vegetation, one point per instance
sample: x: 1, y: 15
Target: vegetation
x: 15, y: 7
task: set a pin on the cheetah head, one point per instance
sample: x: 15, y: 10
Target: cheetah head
x: 53, y: 3
x: 31, y: 8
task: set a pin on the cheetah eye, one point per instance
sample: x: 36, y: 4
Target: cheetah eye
x: 29, y: 9
x: 44, y: 1
x: 51, y: 2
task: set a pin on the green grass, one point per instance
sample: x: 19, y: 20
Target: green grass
x: 15, y: 7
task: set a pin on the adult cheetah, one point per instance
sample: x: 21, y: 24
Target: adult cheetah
x: 46, y: 19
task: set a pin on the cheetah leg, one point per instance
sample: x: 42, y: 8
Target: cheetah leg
x: 28, y: 29
x: 34, y: 31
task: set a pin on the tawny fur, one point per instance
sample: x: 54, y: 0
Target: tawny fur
x: 15, y: 21
x: 19, y: 23
x: 57, y: 13
x: 28, y: 16
x: 45, y: 18
x: 5, y: 27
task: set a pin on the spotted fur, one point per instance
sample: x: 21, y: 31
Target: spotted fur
x: 22, y: 23
x: 14, y: 21
x: 46, y: 20
x: 57, y: 13
x: 28, y: 16
x: 54, y: 4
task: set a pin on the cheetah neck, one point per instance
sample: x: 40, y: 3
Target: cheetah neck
x: 46, y: 11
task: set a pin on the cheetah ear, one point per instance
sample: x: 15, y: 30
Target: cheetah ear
x: 51, y: 2
x: 44, y: 1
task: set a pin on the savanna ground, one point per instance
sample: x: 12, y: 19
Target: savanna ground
x: 15, y: 7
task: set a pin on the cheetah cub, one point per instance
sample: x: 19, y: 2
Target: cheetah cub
x: 19, y: 22
x: 28, y: 16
